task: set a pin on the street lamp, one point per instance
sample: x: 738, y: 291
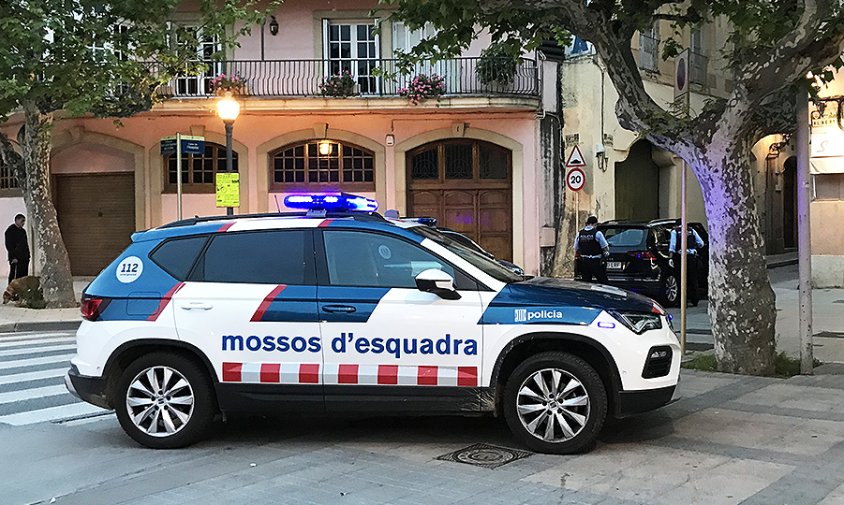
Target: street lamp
x: 228, y: 109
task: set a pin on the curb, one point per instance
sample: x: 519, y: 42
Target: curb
x: 22, y: 326
x: 782, y: 263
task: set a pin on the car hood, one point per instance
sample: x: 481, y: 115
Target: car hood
x: 544, y: 291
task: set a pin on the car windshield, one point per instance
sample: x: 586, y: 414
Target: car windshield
x: 624, y: 237
x: 478, y: 260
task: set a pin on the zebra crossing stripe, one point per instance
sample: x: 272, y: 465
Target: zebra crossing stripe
x: 50, y: 414
x: 35, y: 350
x: 35, y: 361
x: 44, y: 341
x: 37, y: 337
x: 31, y: 376
x: 25, y: 394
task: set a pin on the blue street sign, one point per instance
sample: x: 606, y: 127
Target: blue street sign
x: 190, y: 144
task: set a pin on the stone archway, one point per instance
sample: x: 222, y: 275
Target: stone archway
x: 637, y: 184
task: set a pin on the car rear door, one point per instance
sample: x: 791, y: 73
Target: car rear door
x: 389, y: 346
x: 250, y: 306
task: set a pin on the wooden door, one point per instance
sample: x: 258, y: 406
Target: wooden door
x: 466, y: 185
x: 96, y: 217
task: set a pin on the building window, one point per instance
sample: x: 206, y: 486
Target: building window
x: 649, y: 48
x: 323, y: 162
x: 7, y: 178
x: 198, y: 170
x: 352, y: 47
x: 450, y: 160
x: 200, y: 85
x: 698, y: 61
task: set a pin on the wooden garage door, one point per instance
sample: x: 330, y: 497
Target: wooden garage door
x: 466, y: 185
x: 96, y: 216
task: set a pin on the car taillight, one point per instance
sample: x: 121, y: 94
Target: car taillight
x: 91, y: 308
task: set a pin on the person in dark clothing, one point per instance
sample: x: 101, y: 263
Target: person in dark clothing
x: 693, y: 245
x: 18, y: 249
x: 592, y: 249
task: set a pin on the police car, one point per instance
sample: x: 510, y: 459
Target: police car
x: 338, y: 309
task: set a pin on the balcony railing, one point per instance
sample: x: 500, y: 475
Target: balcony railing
x: 698, y: 64
x: 374, y: 77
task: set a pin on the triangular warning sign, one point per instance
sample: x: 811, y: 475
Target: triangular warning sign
x: 575, y: 158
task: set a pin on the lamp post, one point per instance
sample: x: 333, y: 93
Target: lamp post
x: 228, y: 109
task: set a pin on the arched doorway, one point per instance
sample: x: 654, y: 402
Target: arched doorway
x: 789, y: 202
x: 467, y: 186
x: 637, y: 184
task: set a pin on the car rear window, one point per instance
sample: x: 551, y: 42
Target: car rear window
x: 624, y: 237
x: 176, y: 256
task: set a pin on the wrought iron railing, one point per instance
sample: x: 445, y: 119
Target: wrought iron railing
x: 698, y: 64
x: 373, y: 77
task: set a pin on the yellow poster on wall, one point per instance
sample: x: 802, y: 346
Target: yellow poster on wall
x: 227, y: 189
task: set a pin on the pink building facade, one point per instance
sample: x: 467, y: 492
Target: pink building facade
x: 482, y: 158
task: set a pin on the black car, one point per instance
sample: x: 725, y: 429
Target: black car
x: 639, y: 258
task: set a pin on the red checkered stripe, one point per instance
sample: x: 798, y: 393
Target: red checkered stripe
x: 336, y: 373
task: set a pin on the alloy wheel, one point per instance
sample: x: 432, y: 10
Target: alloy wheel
x: 671, y: 288
x: 160, y: 401
x: 552, y: 405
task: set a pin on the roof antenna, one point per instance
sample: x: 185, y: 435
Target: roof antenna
x: 277, y: 206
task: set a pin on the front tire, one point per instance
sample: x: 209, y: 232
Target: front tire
x: 164, y: 401
x: 555, y: 402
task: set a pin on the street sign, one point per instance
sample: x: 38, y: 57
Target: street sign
x: 227, y: 189
x: 575, y: 158
x: 190, y: 144
x: 681, y: 74
x: 575, y: 179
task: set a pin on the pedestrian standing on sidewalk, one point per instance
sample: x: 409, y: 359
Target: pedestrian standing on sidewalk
x: 693, y: 244
x: 592, y: 249
x: 18, y: 248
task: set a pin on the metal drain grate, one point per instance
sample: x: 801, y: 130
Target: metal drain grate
x: 485, y: 455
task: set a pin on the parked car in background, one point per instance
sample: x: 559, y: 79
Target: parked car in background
x: 639, y: 258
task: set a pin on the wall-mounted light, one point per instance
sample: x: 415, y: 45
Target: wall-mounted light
x: 390, y: 140
x: 273, y: 26
x: 325, y: 148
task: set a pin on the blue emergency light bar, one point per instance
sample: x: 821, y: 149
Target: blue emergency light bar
x: 335, y: 202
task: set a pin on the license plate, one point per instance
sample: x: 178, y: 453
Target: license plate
x: 614, y: 265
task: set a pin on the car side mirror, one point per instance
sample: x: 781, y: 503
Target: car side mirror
x: 438, y: 282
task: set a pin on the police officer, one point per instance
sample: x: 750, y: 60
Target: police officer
x: 592, y: 248
x: 693, y: 245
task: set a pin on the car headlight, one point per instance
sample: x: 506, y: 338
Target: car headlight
x: 639, y: 322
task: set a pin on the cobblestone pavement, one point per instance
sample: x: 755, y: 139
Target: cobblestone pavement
x: 730, y: 440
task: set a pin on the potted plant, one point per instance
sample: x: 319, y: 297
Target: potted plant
x: 341, y: 85
x: 497, y: 66
x: 233, y: 83
x: 423, y: 87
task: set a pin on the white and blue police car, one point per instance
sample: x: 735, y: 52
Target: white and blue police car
x: 338, y: 309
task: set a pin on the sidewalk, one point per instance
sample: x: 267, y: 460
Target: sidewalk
x: 14, y: 318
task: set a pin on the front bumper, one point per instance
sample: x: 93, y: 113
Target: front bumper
x: 631, y: 403
x: 88, y: 389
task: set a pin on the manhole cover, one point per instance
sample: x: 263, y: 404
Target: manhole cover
x: 485, y: 455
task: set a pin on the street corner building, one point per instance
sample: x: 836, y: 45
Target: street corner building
x: 475, y: 158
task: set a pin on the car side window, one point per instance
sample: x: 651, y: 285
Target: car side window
x: 261, y: 257
x: 375, y: 260
x: 176, y: 256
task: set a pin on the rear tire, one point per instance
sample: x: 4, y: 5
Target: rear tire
x: 670, y: 290
x: 164, y: 401
x: 555, y: 402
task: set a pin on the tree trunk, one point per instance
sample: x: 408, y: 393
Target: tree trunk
x: 56, y: 280
x: 742, y: 306
x: 563, y: 265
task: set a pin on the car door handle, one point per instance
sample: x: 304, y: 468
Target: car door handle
x: 197, y: 306
x: 348, y: 309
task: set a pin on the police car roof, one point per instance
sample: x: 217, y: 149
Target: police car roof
x: 214, y: 224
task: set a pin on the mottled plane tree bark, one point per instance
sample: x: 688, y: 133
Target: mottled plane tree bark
x: 94, y: 58
x: 772, y: 46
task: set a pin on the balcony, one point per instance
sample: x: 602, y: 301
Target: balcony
x: 374, y: 78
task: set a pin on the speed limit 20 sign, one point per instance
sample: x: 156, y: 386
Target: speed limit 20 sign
x: 575, y: 179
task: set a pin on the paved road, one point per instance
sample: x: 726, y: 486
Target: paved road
x: 32, y: 368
